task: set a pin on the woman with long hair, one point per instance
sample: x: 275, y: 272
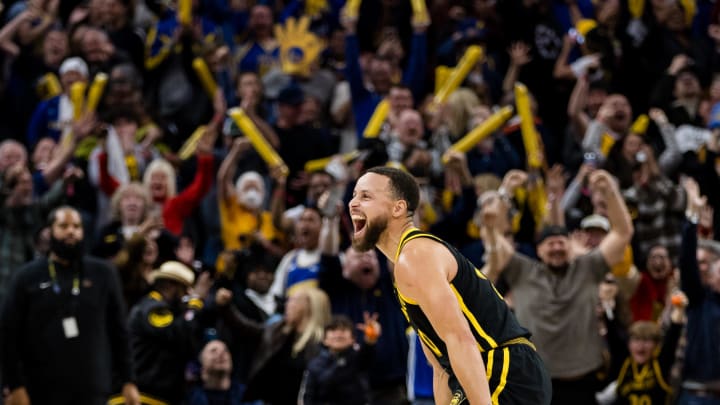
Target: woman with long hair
x: 284, y: 347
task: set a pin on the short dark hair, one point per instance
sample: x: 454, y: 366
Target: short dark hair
x: 402, y: 185
x: 52, y: 216
x: 339, y: 322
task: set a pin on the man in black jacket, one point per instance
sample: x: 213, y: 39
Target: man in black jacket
x: 63, y: 325
x: 163, y: 334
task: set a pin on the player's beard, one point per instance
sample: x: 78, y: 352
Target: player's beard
x: 371, y: 236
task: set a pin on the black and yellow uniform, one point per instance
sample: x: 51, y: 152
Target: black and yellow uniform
x: 515, y: 372
x: 642, y: 385
x: 162, y: 340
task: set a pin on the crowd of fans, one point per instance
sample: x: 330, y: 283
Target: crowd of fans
x: 237, y: 281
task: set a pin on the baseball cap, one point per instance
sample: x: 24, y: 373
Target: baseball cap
x: 595, y: 221
x: 550, y: 231
x: 291, y: 95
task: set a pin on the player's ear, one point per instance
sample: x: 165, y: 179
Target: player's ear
x: 399, y: 208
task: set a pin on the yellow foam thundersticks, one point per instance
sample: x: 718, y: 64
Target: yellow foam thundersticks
x: 372, y: 130
x: 480, y: 132
x: 206, y: 78
x: 420, y: 13
x: 352, y: 8
x: 77, y: 97
x: 258, y: 141
x: 97, y: 87
x: 320, y: 164
x: 184, y: 12
x: 527, y: 127
x: 467, y: 63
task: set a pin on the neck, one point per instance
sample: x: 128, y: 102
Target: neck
x: 216, y: 380
x: 58, y: 259
x: 390, y: 239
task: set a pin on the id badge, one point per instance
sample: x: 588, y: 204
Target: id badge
x: 70, y: 327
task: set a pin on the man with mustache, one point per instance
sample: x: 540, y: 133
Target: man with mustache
x: 63, y: 325
x: 556, y: 297
x: 479, y: 352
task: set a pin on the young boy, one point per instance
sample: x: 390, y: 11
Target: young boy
x: 643, y: 377
x: 338, y: 375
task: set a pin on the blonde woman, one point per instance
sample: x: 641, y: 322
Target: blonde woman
x: 284, y: 347
x: 131, y: 211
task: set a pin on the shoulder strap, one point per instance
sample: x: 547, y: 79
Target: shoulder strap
x: 411, y: 234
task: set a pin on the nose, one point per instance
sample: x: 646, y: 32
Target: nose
x: 353, y: 203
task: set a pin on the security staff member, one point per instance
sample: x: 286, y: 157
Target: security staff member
x: 162, y: 334
x: 63, y: 325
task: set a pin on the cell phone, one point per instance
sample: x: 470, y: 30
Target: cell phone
x: 331, y: 206
x: 590, y: 158
x: 576, y: 36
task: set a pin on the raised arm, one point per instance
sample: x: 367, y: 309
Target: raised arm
x: 353, y: 71
x: 228, y: 167
x: 422, y: 274
x: 576, y: 105
x: 562, y: 69
x: 519, y: 57
x: 498, y: 249
x: 414, y: 76
x: 689, y: 269
x: 670, y: 158
x: 555, y: 181
x: 56, y: 167
x: 10, y: 29
x: 621, y: 228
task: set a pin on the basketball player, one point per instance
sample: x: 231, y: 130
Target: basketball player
x: 479, y: 352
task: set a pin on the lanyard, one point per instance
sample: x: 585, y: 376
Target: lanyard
x: 56, y: 285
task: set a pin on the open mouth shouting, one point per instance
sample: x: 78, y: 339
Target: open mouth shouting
x: 359, y: 223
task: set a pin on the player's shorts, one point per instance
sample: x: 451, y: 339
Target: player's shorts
x: 516, y: 376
